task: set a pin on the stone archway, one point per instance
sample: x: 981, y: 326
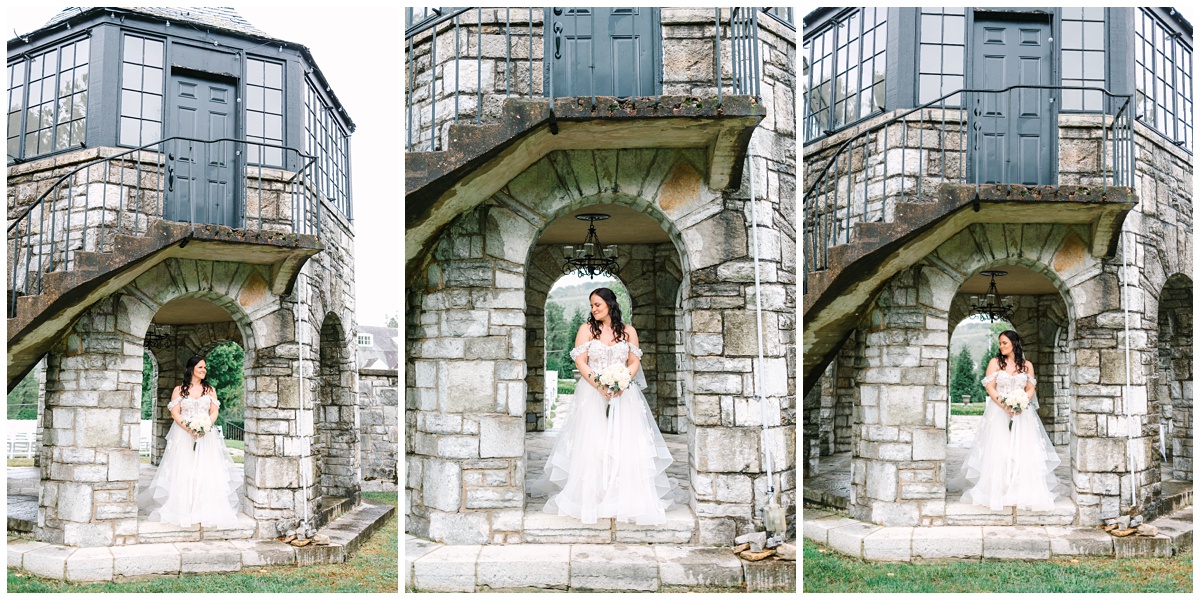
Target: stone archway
x: 1171, y: 397
x: 335, y: 422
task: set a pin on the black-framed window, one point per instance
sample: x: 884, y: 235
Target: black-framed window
x: 47, y: 104
x: 264, y: 110
x: 843, y: 71
x: 141, y: 91
x: 1083, y: 57
x: 326, y: 140
x: 942, y: 54
x: 1163, y: 79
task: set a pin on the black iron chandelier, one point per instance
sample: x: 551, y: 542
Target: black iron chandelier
x: 591, y: 258
x: 992, y: 306
x: 157, y: 337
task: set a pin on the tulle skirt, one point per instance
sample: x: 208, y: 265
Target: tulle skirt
x: 1011, y: 467
x: 193, y: 486
x: 608, y: 467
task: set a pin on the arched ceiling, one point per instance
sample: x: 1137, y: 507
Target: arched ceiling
x: 190, y: 311
x: 624, y: 226
x: 1018, y: 281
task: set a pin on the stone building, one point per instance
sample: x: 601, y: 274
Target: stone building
x: 1054, y: 144
x: 177, y: 179
x: 664, y: 120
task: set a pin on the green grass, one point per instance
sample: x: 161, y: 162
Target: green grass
x: 372, y: 569
x: 827, y: 571
x: 566, y: 386
x: 974, y: 408
x: 239, y: 444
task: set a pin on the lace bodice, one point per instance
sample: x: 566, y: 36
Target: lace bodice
x: 601, y: 356
x: 194, y: 407
x: 1009, y: 383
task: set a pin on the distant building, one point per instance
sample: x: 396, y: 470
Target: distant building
x: 378, y: 348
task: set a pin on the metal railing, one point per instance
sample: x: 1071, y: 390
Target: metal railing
x: 86, y: 208
x: 451, y: 80
x: 947, y: 141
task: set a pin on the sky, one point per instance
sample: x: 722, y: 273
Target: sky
x: 358, y: 49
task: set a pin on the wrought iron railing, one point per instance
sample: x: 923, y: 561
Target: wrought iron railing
x: 84, y: 209
x: 946, y: 141
x: 455, y: 81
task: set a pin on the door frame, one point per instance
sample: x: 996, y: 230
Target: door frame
x: 1052, y: 16
x: 656, y: 50
x: 238, y: 166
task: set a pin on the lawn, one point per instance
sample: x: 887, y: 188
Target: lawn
x: 372, y: 569
x: 975, y: 408
x: 827, y: 571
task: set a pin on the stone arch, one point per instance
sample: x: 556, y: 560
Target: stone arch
x: 1171, y: 410
x: 335, y: 440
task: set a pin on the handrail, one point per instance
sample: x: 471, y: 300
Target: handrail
x: 81, y: 210
x: 854, y: 184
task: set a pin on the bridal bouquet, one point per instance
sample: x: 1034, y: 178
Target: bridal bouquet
x: 1017, y: 401
x: 616, y: 378
x: 198, y: 426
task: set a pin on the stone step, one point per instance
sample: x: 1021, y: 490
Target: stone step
x: 153, y: 532
x: 347, y: 533
x: 960, y: 513
x: 542, y: 528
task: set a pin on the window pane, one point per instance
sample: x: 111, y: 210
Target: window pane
x: 66, y: 58
x: 152, y: 80
x: 152, y: 107
x: 79, y: 106
x: 131, y: 103
x: 133, y: 49
x: 1072, y: 64
x: 154, y: 53
x: 953, y: 62
x: 254, y: 98
x: 129, y: 132
x: 1072, y: 34
x: 62, y: 137
x: 931, y: 60
x: 931, y: 28
x: 1093, y: 65
x: 274, y: 75
x: 131, y: 77
x: 273, y: 101
x: 1093, y: 35
x: 77, y: 132
x: 954, y: 30
x: 254, y: 124
x: 65, y: 83
x: 82, y: 47
x: 151, y: 132
x: 1095, y: 13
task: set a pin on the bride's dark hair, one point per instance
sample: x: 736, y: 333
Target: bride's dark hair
x: 1018, y: 351
x: 614, y: 314
x: 187, y: 377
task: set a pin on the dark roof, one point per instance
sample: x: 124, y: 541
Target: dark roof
x: 384, y: 346
x: 210, y: 16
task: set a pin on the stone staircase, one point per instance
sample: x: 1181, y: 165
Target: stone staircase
x: 40, y: 319
x: 835, y: 296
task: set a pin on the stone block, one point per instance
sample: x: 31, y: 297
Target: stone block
x: 849, y: 539
x: 99, y: 427
x: 1136, y: 546
x: 90, y: 564
x: 1104, y: 455
x: 882, y: 481
x: 17, y: 548
x: 733, y: 488
x: 442, y: 486
x: 48, y: 561
x: 516, y: 567
x: 1015, y: 542
x: 716, y: 532
x: 947, y: 543
x: 770, y: 575
x: 88, y: 535
x: 929, y: 444
x: 123, y: 465
x: 494, y: 497
x: 501, y: 437
x: 457, y: 446
x: 446, y: 569
x: 902, y: 405
x: 468, y: 387
x: 678, y: 529
x: 614, y: 568
x: 209, y: 557
x: 889, y: 544
x: 459, y: 528
x: 695, y: 567
x: 75, y: 502
x: 1076, y: 541
x: 727, y: 449
x: 546, y: 528
x: 741, y: 333
x: 818, y: 529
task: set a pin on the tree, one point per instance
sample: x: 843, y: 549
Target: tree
x: 390, y: 320
x: 225, y: 375
x: 148, y: 386
x: 23, y: 400
x: 964, y: 381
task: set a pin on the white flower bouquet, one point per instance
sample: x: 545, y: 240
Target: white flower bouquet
x: 198, y: 426
x: 616, y: 378
x: 1017, y: 401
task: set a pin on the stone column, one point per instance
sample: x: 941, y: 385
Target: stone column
x: 467, y: 349
x: 89, y: 456
x: 897, y: 470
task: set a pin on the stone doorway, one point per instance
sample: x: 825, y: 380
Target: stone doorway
x: 335, y: 457
x: 1171, y: 390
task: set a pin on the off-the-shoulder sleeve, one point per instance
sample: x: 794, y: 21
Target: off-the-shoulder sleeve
x: 635, y: 350
x: 1033, y: 380
x: 576, y: 351
x: 172, y: 404
x: 989, y: 378
x: 215, y: 401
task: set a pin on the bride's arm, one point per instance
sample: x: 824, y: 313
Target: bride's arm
x: 635, y: 358
x: 176, y: 410
x: 582, y: 337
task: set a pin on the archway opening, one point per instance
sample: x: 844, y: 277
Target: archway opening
x: 650, y: 276
x: 335, y: 439
x: 180, y: 329
x: 1171, y: 390
x: 1040, y: 317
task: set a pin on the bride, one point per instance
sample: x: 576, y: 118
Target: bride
x: 196, y: 482
x: 1011, y: 466
x: 607, y: 466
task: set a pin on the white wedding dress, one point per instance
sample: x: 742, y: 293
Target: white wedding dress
x: 608, y: 467
x: 1011, y: 467
x: 193, y: 485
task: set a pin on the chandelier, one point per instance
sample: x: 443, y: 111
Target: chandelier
x: 157, y: 337
x: 591, y: 258
x: 993, y: 306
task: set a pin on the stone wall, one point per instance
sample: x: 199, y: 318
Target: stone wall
x: 379, y: 435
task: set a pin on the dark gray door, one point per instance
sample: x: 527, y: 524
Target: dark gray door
x: 604, y: 51
x: 201, y: 187
x: 1013, y: 132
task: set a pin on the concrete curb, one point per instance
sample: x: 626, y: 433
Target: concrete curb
x: 981, y: 542
x: 433, y: 567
